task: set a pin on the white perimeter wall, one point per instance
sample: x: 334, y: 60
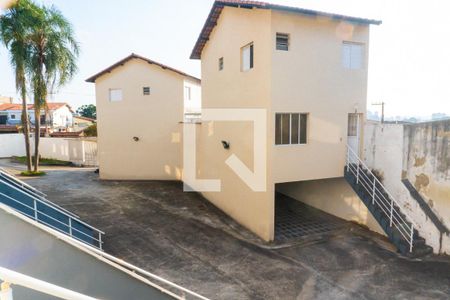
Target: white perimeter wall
x: 78, y: 151
x: 12, y: 145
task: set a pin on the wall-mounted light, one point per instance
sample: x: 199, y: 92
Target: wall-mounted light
x: 226, y: 145
x: 136, y: 139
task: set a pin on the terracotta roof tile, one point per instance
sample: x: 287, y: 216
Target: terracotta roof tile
x: 16, y: 106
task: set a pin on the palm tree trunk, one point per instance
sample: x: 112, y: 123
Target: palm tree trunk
x: 37, y: 136
x: 26, y: 131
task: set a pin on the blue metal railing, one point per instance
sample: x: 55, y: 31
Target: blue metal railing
x: 31, y: 203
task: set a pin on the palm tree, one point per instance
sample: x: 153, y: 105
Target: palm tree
x: 14, y: 28
x: 52, y: 61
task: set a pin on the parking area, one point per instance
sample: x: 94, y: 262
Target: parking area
x: 182, y: 237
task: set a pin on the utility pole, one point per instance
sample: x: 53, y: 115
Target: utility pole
x: 382, y: 109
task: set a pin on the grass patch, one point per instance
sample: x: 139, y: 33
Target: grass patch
x: 44, y: 161
x: 32, y: 173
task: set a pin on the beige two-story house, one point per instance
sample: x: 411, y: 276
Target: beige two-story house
x: 141, y: 105
x: 308, y: 71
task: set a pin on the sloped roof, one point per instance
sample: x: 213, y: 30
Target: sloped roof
x: 85, y: 118
x: 16, y: 106
x: 135, y: 56
x: 218, y: 6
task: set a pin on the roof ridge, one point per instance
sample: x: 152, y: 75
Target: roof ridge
x: 137, y: 56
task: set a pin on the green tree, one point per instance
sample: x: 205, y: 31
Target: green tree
x: 14, y: 33
x: 52, y: 60
x: 88, y: 111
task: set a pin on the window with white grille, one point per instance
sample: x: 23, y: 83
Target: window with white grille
x: 291, y: 128
x: 146, y: 90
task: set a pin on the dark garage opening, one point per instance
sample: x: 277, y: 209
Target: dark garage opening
x: 297, y: 220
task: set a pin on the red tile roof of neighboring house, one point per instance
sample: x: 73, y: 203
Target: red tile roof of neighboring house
x: 218, y: 6
x: 50, y: 105
x: 135, y: 56
x: 85, y: 118
x: 67, y: 134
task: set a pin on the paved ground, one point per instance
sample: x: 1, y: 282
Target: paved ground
x: 183, y: 238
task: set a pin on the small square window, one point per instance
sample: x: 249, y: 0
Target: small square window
x: 115, y: 95
x: 13, y: 117
x: 221, y: 64
x: 282, y: 41
x: 146, y: 90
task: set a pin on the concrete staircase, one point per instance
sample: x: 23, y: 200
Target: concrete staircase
x: 398, y: 227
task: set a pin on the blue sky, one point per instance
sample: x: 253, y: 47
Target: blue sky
x: 409, y: 65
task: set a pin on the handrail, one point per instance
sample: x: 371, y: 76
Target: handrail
x: 34, y: 192
x: 15, y: 278
x: 111, y: 260
x: 71, y: 219
x: 142, y: 272
x: 36, y: 218
x: 22, y: 183
x: 377, y: 190
x: 57, y: 209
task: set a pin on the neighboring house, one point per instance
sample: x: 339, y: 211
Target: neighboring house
x: 308, y: 71
x: 80, y: 122
x: 58, y: 116
x: 140, y: 108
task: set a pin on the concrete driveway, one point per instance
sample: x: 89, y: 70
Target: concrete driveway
x: 183, y: 238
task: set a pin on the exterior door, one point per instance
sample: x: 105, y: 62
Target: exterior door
x: 353, y: 132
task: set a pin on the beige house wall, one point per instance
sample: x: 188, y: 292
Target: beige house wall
x: 310, y: 78
x: 154, y: 119
x: 231, y: 88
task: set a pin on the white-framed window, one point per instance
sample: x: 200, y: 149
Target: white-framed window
x: 146, y: 90
x: 115, y: 95
x: 13, y: 117
x: 247, y: 57
x: 282, y: 41
x: 291, y: 128
x: 187, y: 92
x: 352, y: 55
x: 221, y: 64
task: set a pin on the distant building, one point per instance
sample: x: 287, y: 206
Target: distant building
x: 58, y: 116
x: 4, y: 99
x: 80, y: 123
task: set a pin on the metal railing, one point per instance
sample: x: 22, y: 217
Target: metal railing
x: 30, y: 190
x: 10, y: 277
x: 36, y: 212
x: 181, y: 292
x: 24, y: 185
x: 381, y: 197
